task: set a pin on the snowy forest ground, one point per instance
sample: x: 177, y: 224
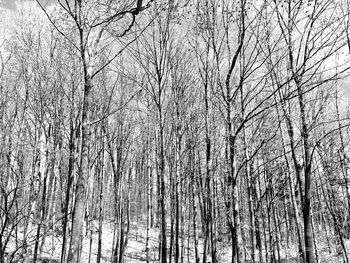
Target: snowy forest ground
x: 136, y: 251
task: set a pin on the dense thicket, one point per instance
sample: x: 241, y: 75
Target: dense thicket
x: 199, y: 130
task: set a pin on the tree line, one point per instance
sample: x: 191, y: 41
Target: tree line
x: 221, y: 125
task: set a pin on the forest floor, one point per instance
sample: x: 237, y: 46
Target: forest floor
x: 136, y: 248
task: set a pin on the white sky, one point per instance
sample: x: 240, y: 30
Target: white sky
x: 11, y: 4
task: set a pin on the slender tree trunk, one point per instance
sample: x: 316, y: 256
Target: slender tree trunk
x: 79, y: 206
x: 309, y: 253
x: 43, y: 210
x: 68, y: 188
x: 163, y: 243
x: 149, y: 210
x: 100, y: 211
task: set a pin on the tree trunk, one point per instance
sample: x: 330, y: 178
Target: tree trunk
x: 79, y: 206
x: 309, y: 253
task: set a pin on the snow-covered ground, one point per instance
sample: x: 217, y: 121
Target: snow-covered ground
x: 136, y: 248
